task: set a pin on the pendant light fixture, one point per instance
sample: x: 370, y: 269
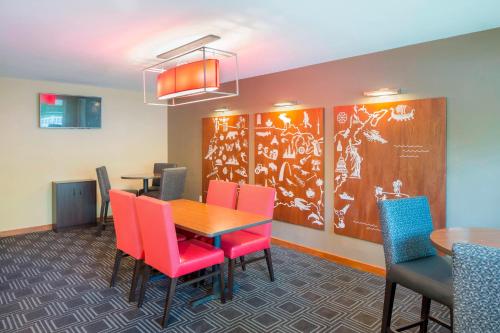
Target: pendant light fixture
x: 191, y: 73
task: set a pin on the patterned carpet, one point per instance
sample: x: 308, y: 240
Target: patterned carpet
x: 59, y: 283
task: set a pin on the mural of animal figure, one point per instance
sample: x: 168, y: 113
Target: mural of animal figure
x: 286, y: 121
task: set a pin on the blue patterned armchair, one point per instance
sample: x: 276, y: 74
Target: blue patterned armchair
x: 476, y: 288
x: 411, y: 260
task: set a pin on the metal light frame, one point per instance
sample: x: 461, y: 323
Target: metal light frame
x: 176, y: 101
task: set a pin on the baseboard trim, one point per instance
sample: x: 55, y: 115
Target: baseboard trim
x: 23, y: 231
x: 359, y: 265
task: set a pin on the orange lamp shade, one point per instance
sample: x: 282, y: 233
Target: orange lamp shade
x: 194, y: 77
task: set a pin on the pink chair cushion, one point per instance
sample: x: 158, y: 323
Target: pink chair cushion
x: 222, y: 193
x: 196, y: 255
x: 162, y: 250
x: 241, y: 243
x: 128, y: 238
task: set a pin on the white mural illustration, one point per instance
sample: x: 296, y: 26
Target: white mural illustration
x: 225, y: 157
x: 362, y: 127
x: 289, y: 156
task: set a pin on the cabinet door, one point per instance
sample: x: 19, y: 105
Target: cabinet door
x: 87, y: 197
x: 66, y: 205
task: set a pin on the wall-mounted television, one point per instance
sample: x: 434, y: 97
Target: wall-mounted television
x: 68, y: 111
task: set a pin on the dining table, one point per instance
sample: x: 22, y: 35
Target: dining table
x: 443, y: 239
x: 212, y: 221
x: 145, y: 177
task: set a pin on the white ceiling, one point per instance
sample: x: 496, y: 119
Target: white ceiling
x: 108, y: 42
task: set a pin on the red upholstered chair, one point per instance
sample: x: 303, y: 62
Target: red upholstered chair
x: 172, y: 258
x: 128, y: 239
x: 253, y: 199
x: 222, y: 193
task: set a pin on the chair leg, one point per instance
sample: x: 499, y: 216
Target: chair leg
x: 243, y: 266
x: 116, y: 267
x: 269, y: 261
x: 146, y: 271
x: 390, y: 291
x: 100, y: 226
x: 424, y: 314
x: 106, y: 208
x: 222, y: 286
x: 230, y: 278
x: 451, y: 319
x: 135, y: 279
x: 168, y: 302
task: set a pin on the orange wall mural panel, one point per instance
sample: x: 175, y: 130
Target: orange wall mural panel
x: 387, y: 151
x: 289, y: 155
x: 224, y: 149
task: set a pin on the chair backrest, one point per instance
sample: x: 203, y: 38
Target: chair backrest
x: 157, y: 170
x: 104, y: 184
x: 222, y: 193
x: 476, y: 288
x: 406, y: 227
x: 258, y: 200
x: 172, y: 183
x: 158, y: 234
x: 128, y: 237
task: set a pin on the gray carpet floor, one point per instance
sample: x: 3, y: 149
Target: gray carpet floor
x: 59, y: 283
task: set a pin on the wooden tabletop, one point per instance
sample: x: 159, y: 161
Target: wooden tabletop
x: 210, y: 220
x: 141, y: 176
x: 443, y: 239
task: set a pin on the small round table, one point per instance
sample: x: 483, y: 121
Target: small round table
x: 145, y: 180
x: 443, y: 239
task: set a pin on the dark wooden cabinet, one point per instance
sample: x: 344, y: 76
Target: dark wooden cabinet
x: 73, y: 204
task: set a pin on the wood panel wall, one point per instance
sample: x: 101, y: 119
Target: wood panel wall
x: 289, y: 155
x: 387, y: 151
x: 224, y: 149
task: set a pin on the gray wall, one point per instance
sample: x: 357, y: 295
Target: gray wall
x: 465, y: 69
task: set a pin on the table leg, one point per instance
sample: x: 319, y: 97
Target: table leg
x: 145, y: 184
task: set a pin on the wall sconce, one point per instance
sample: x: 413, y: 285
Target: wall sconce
x: 222, y: 110
x: 382, y: 92
x: 285, y: 104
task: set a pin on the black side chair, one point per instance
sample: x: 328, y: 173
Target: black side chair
x: 412, y: 261
x: 104, y: 187
x: 172, y: 184
x: 476, y: 288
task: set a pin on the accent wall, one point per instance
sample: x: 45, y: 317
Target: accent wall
x: 464, y: 69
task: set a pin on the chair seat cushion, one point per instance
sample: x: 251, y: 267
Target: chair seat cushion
x: 429, y: 276
x: 241, y: 243
x: 196, y: 255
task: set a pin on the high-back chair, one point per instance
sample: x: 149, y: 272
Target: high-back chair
x: 128, y: 238
x: 258, y: 200
x: 157, y: 170
x: 172, y: 258
x: 476, y: 288
x: 411, y: 260
x: 172, y: 184
x: 222, y: 193
x: 104, y: 187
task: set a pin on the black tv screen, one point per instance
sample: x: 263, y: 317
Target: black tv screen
x: 66, y: 111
